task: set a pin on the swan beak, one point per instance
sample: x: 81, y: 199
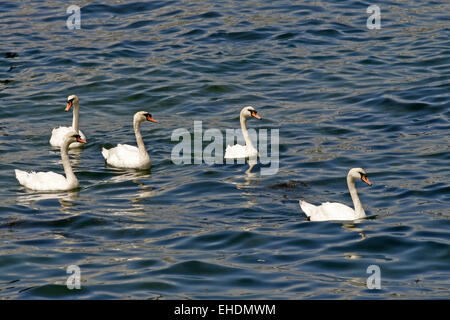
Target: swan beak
x: 366, y: 180
x: 255, y: 115
x: 151, y: 119
x: 81, y: 140
x: 69, y: 105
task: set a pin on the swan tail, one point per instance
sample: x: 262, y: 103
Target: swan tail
x: 307, y: 208
x: 105, y: 153
x: 227, y: 152
x: 21, y: 176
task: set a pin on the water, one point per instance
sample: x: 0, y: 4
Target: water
x: 341, y: 95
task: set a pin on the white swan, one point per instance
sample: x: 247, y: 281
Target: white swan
x: 337, y: 211
x: 126, y: 156
x: 51, y: 181
x: 58, y: 134
x: 248, y: 151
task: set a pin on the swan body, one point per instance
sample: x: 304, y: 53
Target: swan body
x: 239, y: 151
x: 126, y: 156
x: 51, y: 181
x: 58, y: 134
x: 338, y: 211
x: 131, y: 157
x: 248, y: 151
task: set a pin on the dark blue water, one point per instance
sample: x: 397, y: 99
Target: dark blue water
x: 341, y: 95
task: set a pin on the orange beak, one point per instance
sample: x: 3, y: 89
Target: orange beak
x: 366, y: 180
x: 81, y: 140
x: 69, y: 105
x: 151, y: 119
x: 255, y: 115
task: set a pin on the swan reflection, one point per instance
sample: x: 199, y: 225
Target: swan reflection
x: 65, y: 199
x: 129, y: 175
x: 136, y: 194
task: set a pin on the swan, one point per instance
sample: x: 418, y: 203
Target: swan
x: 337, y: 211
x: 58, y: 134
x: 51, y: 181
x: 131, y: 157
x: 248, y: 151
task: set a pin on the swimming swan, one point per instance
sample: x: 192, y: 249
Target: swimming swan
x: 248, y: 151
x: 337, y: 211
x: 58, y: 134
x: 131, y: 157
x: 51, y: 181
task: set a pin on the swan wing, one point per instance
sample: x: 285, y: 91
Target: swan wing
x: 43, y: 181
x: 235, y: 152
x: 242, y: 152
x: 58, y: 134
x: 328, y: 211
x: 125, y: 156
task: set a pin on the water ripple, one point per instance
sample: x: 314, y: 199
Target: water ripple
x: 341, y: 95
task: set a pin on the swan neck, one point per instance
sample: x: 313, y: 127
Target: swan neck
x: 70, y: 176
x: 355, y: 198
x: 76, y: 111
x: 248, y: 141
x: 139, y: 140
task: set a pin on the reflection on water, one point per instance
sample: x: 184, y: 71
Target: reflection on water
x: 140, y: 179
x: 129, y: 175
x: 66, y: 199
x: 244, y: 182
x: 351, y: 226
x: 250, y: 177
x: 237, y: 233
x: 144, y: 192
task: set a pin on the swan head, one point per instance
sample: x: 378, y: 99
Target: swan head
x: 143, y: 116
x: 73, y: 137
x: 359, y: 173
x: 248, y: 112
x: 71, y: 100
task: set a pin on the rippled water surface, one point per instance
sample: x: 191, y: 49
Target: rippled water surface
x: 341, y: 95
